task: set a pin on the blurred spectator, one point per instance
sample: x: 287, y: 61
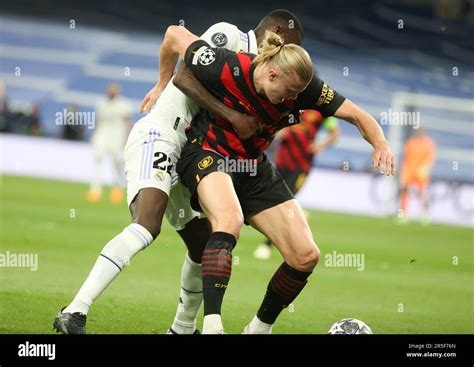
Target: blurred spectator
x: 72, y: 130
x: 455, y: 9
x: 28, y: 124
x: 6, y: 117
x: 112, y: 121
x: 18, y: 122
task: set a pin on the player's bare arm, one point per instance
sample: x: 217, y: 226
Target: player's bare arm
x: 176, y: 39
x: 382, y: 157
x: 244, y: 125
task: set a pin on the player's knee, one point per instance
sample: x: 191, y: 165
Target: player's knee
x: 231, y: 223
x: 150, y: 224
x: 307, y: 258
x: 148, y: 218
x: 316, y: 255
x: 148, y: 210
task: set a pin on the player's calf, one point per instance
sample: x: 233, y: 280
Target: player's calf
x: 216, y: 272
x: 195, y: 235
x: 286, y: 284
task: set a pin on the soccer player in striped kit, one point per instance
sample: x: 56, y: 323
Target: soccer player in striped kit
x: 272, y: 87
x: 153, y: 188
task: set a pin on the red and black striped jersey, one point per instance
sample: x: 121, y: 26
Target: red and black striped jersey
x: 294, y: 152
x: 229, y: 77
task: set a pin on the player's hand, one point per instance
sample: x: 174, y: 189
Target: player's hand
x: 383, y: 159
x: 245, y: 126
x: 151, y: 98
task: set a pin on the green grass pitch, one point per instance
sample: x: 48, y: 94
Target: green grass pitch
x: 416, y: 279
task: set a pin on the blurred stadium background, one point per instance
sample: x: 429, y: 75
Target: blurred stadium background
x: 384, y: 55
x: 369, y: 50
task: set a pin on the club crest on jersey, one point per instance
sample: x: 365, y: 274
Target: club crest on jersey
x: 159, y: 175
x: 205, y: 162
x: 207, y: 57
x: 219, y: 39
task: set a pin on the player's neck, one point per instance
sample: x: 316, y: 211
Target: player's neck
x: 258, y: 75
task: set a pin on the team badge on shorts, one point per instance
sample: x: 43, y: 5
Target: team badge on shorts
x: 207, y: 57
x: 160, y: 175
x: 205, y: 162
x: 219, y: 39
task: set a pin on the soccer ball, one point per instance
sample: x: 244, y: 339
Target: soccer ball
x: 350, y: 326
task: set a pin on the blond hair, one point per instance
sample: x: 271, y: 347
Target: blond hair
x: 289, y: 58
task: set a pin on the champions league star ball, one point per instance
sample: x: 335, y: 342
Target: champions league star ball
x: 207, y: 57
x: 350, y: 326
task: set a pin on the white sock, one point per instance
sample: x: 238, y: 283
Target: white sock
x: 190, y: 297
x: 113, y: 258
x: 259, y: 327
x: 212, y: 324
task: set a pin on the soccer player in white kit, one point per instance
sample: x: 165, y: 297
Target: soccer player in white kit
x: 112, y: 121
x: 152, y: 150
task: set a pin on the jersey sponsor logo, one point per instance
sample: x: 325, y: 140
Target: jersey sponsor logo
x: 327, y: 95
x: 176, y: 123
x: 207, y: 57
x: 219, y: 39
x: 205, y: 162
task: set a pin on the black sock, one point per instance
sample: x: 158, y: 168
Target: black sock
x: 283, y: 288
x: 216, y: 270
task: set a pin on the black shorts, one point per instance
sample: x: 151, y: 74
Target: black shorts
x: 295, y: 179
x: 257, y: 190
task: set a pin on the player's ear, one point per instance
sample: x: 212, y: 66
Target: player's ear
x: 277, y: 29
x: 272, y: 75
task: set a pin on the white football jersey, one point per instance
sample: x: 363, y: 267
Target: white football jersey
x: 173, y: 111
x: 111, y: 115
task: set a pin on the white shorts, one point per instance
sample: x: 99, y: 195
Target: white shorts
x: 151, y: 154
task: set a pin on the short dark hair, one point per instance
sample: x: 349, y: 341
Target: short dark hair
x: 284, y: 18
